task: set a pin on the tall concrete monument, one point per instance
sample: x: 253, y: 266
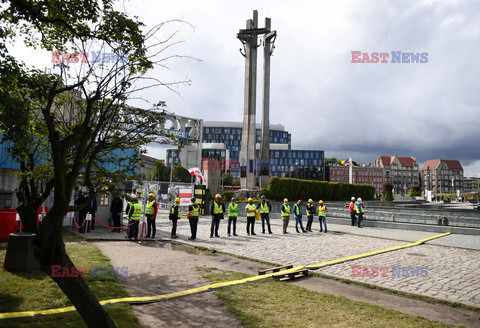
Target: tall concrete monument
x: 248, y: 157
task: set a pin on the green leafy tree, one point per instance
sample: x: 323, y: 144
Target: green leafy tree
x: 227, y: 179
x: 66, y: 130
x: 180, y: 174
x: 330, y: 161
x: 160, y: 172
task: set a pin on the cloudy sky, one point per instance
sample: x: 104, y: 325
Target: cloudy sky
x: 426, y: 110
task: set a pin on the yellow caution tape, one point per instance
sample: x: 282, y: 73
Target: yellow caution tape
x: 158, y: 298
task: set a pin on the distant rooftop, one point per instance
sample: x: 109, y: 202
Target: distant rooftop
x: 433, y: 164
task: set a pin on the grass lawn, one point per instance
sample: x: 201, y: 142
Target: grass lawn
x: 34, y: 290
x: 271, y: 303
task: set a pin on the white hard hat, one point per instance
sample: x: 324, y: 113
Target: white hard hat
x: 353, y: 198
x: 359, y: 199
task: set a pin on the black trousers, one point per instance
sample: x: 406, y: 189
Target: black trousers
x: 309, y: 223
x: 193, y: 226
x: 151, y: 227
x: 250, y: 224
x: 214, y: 226
x: 132, y: 231
x: 265, y: 218
x: 116, y: 221
x: 232, y: 219
x: 174, y: 227
x: 352, y: 216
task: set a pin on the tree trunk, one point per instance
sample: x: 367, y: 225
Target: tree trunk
x: 28, y: 215
x: 50, y: 250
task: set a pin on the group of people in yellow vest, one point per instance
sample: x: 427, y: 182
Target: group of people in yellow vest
x: 135, y: 210
x: 321, y: 210
x: 262, y: 211
x: 254, y: 212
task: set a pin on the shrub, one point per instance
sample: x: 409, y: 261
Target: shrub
x: 415, y: 191
x: 294, y: 189
x: 227, y: 196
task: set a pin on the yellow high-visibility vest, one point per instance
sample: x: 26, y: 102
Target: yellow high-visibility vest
x: 322, y: 210
x: 149, y: 208
x: 287, y: 209
x: 173, y: 211
x: 137, y: 212
x: 196, y: 209
x: 264, y: 208
x: 217, y: 208
x: 251, y: 207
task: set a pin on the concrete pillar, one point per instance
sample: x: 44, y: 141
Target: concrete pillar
x: 265, y: 141
x: 247, y: 150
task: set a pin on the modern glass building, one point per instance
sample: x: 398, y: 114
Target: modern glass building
x: 221, y: 142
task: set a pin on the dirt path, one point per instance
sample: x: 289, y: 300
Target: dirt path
x: 154, y: 270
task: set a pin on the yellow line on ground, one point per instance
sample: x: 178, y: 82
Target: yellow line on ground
x: 11, y: 315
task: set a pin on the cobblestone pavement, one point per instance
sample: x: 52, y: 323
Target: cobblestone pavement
x: 448, y: 273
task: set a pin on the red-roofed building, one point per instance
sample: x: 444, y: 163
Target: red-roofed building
x: 442, y: 175
x: 401, y: 172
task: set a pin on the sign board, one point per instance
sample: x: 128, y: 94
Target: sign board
x: 185, y: 195
x: 176, y: 133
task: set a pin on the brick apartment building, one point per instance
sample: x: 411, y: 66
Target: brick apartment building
x: 361, y: 174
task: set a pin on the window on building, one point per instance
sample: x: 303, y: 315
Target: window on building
x: 104, y: 200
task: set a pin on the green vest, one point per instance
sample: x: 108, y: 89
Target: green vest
x: 287, y: 209
x: 322, y: 210
x: 149, y: 208
x: 217, y: 208
x: 251, y: 207
x: 233, y: 210
x: 264, y: 208
x: 196, y: 209
x: 137, y: 212
x: 173, y: 211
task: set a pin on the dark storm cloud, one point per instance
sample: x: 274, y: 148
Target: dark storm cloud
x: 429, y: 110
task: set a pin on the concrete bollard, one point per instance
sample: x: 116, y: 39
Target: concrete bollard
x: 19, y: 256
